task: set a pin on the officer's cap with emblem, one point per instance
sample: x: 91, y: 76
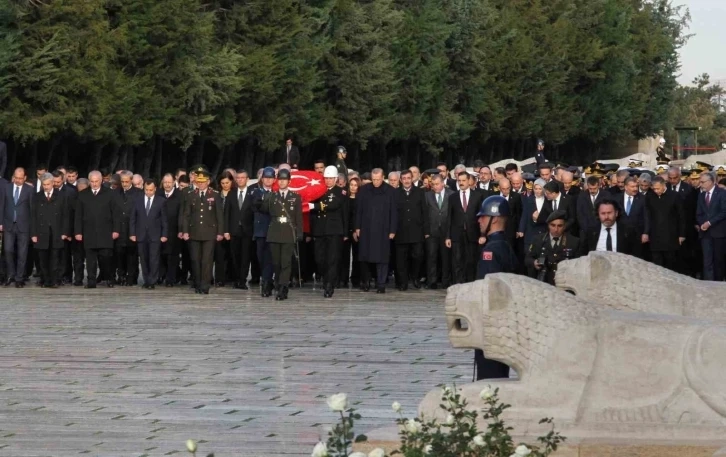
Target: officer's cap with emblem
x: 202, y: 173
x: 720, y: 170
x: 494, y: 206
x: 703, y: 166
x: 330, y: 172
x: 283, y: 174
x: 268, y: 172
x: 662, y: 168
x: 635, y: 163
x: 695, y: 174
x: 473, y: 174
x: 556, y: 215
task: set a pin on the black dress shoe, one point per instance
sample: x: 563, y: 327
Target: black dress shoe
x: 381, y: 290
x: 89, y: 286
x: 78, y: 283
x: 241, y: 286
x: 109, y: 284
x: 168, y: 284
x: 52, y: 286
x: 433, y: 286
x: 205, y: 291
x: 9, y: 281
x: 416, y: 284
x: 365, y: 288
x: 20, y: 284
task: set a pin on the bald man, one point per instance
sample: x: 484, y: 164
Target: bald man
x: 416, y: 173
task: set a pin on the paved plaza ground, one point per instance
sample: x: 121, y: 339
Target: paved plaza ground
x: 126, y: 372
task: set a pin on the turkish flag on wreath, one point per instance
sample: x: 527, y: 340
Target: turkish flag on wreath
x: 310, y: 185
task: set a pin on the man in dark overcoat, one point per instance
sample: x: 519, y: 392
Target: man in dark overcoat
x: 49, y: 228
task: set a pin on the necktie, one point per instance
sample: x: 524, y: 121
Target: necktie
x: 628, y: 205
x: 240, y: 199
x: 464, y: 203
x: 608, y: 241
x: 148, y: 205
x: 201, y: 194
x: 554, y: 205
x: 95, y: 192
x: 167, y: 195
x: 47, y: 195
x: 284, y: 194
x: 555, y: 241
x: 438, y: 200
x: 708, y: 198
x: 16, y: 195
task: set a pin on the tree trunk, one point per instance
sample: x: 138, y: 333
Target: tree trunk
x: 158, y: 158
x: 33, y: 156
x: 219, y: 161
x: 95, y: 163
x: 52, y: 146
x: 199, y: 151
x: 149, y: 152
x: 248, y: 155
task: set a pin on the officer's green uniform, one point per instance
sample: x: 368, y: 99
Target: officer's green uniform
x: 285, y: 229
x: 553, y: 251
x: 203, y: 220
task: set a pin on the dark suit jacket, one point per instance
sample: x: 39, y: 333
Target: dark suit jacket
x: 126, y: 203
x: 567, y: 204
x: 173, y: 208
x: 586, y: 217
x: 464, y: 226
x: 152, y: 227
x: 715, y: 213
x: 638, y: 218
x: 452, y: 184
x: 413, y: 217
x: 438, y: 218
x: 626, y: 240
x: 666, y: 221
x: 527, y: 225
x: 240, y: 222
x: 22, y: 209
x: 97, y: 217
x: 294, y: 156
x: 49, y: 217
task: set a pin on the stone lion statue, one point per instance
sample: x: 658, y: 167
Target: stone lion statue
x: 600, y: 372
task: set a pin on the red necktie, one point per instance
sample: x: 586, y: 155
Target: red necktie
x: 464, y: 203
x: 708, y: 198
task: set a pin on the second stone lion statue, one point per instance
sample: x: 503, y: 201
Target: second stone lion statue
x: 600, y: 372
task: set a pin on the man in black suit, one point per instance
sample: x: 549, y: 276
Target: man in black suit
x: 50, y: 227
x: 240, y: 224
x: 289, y: 154
x: 667, y: 226
x: 40, y: 171
x: 444, y: 171
x: 610, y: 235
x: 149, y: 228
x: 711, y: 219
x: 633, y: 214
x: 65, y: 267
x: 463, y: 236
x: 587, y: 218
x: 16, y: 225
x: 98, y: 224
x: 556, y: 201
x: 568, y: 189
x: 413, y: 228
x: 170, y: 251
x: 126, y: 250
x: 485, y: 183
x: 689, y: 262
x: 515, y: 213
x: 437, y: 254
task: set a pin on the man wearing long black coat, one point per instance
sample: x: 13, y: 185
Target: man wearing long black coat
x: 667, y: 229
x: 413, y: 228
x: 49, y: 228
x: 171, y: 250
x: 127, y: 254
x: 375, y: 225
x: 97, y: 225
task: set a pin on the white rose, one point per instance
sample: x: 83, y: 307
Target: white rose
x: 450, y: 419
x: 522, y: 451
x: 479, y: 441
x: 338, y: 402
x: 428, y: 448
x: 191, y: 446
x: 413, y: 426
x: 377, y: 452
x: 396, y: 406
x: 446, y: 390
x: 486, y: 393
x: 357, y: 454
x: 320, y: 450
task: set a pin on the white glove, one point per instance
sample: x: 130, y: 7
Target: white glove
x: 311, y: 206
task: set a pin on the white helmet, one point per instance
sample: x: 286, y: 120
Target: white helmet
x: 330, y: 172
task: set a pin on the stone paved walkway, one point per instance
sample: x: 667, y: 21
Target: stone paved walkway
x: 121, y: 372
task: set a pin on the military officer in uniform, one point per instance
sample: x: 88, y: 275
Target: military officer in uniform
x: 495, y: 256
x: 261, y: 226
x: 549, y: 249
x: 340, y: 161
x: 202, y: 228
x: 285, y: 210
x: 328, y: 229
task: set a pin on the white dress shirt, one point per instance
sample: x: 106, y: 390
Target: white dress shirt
x: 556, y: 202
x: 602, y: 241
x: 241, y: 193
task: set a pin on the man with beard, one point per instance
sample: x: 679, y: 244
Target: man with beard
x: 97, y: 225
x: 375, y: 226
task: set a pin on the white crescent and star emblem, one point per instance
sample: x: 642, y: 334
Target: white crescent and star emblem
x: 308, y: 182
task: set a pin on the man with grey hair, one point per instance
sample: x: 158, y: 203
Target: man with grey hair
x: 394, y: 179
x: 15, y: 223
x: 454, y: 185
x: 375, y: 226
x: 138, y: 182
x: 126, y: 250
x: 711, y: 220
x: 98, y: 224
x: 50, y: 227
x: 644, y: 182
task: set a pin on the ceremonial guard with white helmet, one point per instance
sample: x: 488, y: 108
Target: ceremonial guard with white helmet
x: 328, y: 229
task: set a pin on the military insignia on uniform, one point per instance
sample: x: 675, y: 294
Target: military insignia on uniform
x: 495, y: 208
x: 330, y: 197
x: 487, y: 255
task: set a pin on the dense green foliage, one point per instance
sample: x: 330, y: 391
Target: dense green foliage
x: 138, y: 83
